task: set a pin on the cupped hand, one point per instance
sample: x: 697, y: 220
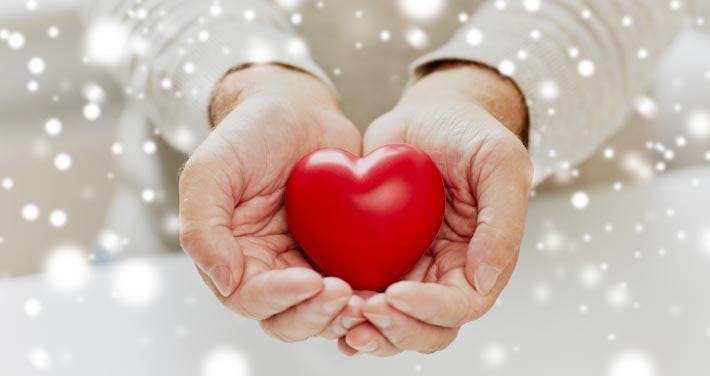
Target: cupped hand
x: 232, y: 218
x: 467, y: 118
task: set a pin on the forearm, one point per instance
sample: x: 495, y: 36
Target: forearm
x: 477, y: 84
x: 579, y: 64
x: 175, y: 51
x: 267, y: 80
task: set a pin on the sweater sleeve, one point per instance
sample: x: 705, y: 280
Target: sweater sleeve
x: 168, y: 54
x: 579, y: 63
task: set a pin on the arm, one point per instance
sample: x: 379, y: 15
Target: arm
x: 170, y: 54
x: 579, y: 63
x: 471, y: 119
x: 186, y: 61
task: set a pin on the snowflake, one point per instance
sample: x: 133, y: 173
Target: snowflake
x: 135, y: 283
x: 580, y: 200
x: 33, y: 307
x: 416, y: 37
x: 67, y: 268
x: 36, y: 66
x: 58, y: 218
x: 421, y: 10
x: 92, y: 111
x: 632, y: 363
x: 63, y: 161
x: 225, y: 361
x: 30, y: 212
x: 474, y: 37
x: 53, y: 127
x: 494, y: 355
x: 39, y: 358
x: 586, y: 68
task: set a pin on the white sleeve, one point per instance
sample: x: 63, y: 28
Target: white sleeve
x: 579, y: 63
x: 170, y: 53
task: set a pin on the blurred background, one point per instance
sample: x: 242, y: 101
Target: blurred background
x: 58, y: 120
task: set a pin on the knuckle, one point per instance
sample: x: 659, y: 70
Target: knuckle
x: 527, y: 169
x: 402, y: 338
x: 439, y: 343
x: 246, y: 305
x: 480, y: 310
x: 187, y: 173
x: 269, y: 327
x: 308, y: 319
x: 504, y: 243
x: 528, y: 165
x: 329, y: 334
x: 465, y: 309
x: 246, y: 311
x: 189, y: 237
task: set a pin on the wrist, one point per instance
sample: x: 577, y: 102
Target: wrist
x: 268, y: 80
x: 477, y: 84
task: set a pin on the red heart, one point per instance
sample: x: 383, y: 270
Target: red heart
x: 365, y: 220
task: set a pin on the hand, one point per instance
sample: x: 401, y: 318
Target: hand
x: 468, y: 119
x: 232, y: 218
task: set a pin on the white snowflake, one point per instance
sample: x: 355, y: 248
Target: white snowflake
x: 36, y: 66
x: 225, y: 361
x: 632, y: 363
x: 580, y: 200
x: 421, y: 10
x: 92, y: 111
x: 135, y: 283
x: 416, y: 37
x: 586, y: 68
x: 62, y: 161
x: 58, y: 218
x: 30, y: 212
x: 33, y: 307
x: 66, y: 268
x: 494, y: 355
x: 53, y: 127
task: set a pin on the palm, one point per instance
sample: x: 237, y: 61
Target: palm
x: 259, y: 220
x: 464, y: 150
x: 484, y: 169
x: 252, y: 177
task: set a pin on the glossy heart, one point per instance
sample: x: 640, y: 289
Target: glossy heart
x: 366, y: 220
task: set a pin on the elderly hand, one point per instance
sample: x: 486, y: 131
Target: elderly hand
x: 232, y: 218
x: 468, y: 118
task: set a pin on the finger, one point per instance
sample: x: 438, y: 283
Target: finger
x: 502, y: 192
x: 275, y: 291
x: 310, y: 317
x: 365, y: 338
x: 435, y: 303
x: 405, y: 332
x: 365, y: 294
x: 384, y: 130
x: 207, y: 201
x: 422, y: 270
x: 344, y: 348
x: 348, y: 318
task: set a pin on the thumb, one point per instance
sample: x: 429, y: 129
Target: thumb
x: 382, y: 131
x: 502, y: 192
x: 207, y: 204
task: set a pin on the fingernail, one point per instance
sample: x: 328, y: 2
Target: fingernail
x: 222, y: 278
x: 349, y: 322
x: 335, y: 305
x: 381, y: 321
x: 369, y: 347
x: 486, y: 277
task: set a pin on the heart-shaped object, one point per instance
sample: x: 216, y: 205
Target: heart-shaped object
x: 365, y: 220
